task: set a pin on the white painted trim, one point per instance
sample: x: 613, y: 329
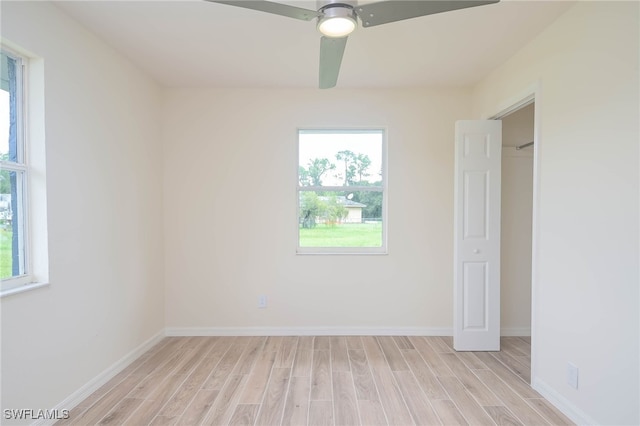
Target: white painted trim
x: 515, y: 331
x: 535, y: 228
x: 22, y: 288
x: 576, y: 415
x: 309, y: 331
x: 92, y: 385
x: 525, y: 97
x: 329, y: 331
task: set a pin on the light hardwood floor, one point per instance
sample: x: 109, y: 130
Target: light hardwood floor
x: 321, y: 381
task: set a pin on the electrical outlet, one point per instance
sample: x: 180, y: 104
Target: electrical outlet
x: 572, y: 375
x: 262, y: 301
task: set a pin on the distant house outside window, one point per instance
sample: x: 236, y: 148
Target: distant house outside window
x: 341, y: 191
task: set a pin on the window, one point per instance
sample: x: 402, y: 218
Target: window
x: 341, y: 191
x: 14, y: 176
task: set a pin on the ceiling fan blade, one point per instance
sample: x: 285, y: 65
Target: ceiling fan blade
x: 275, y: 8
x: 331, y: 51
x: 384, y: 12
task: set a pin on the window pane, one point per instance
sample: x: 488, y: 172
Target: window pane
x: 4, y: 125
x: 9, y: 98
x: 11, y: 224
x: 340, y: 219
x: 12, y: 182
x: 337, y: 158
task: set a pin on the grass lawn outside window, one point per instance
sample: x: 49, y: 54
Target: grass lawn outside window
x: 5, y: 253
x: 342, y: 235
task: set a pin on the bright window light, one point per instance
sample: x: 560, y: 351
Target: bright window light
x: 341, y: 191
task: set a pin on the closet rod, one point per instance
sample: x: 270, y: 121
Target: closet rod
x: 518, y: 148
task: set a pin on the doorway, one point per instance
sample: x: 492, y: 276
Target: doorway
x: 516, y: 236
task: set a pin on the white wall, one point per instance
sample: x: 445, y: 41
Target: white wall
x: 230, y: 211
x: 516, y: 217
x: 586, y: 286
x: 104, y: 215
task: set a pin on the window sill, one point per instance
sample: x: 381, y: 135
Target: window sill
x: 22, y: 289
x: 340, y: 253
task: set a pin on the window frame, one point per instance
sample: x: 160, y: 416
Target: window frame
x: 21, y: 167
x: 383, y: 249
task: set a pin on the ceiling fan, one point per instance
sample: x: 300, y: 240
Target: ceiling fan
x: 338, y: 18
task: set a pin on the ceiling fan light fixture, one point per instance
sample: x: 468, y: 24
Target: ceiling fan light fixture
x: 338, y: 21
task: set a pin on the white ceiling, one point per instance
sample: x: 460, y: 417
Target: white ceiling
x: 202, y: 44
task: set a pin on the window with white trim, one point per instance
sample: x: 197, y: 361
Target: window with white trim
x: 14, y: 176
x: 341, y: 191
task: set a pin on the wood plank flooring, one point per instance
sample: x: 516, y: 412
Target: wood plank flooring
x: 354, y: 380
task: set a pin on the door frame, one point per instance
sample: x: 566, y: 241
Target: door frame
x: 510, y: 105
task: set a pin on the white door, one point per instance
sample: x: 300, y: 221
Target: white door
x: 476, y: 291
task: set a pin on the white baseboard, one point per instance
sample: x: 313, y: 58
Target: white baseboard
x: 329, y: 331
x: 576, y: 415
x: 309, y: 331
x: 515, y: 331
x: 81, y: 394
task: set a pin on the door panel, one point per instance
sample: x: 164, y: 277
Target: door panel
x: 475, y: 206
x: 475, y: 285
x: 477, y: 235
